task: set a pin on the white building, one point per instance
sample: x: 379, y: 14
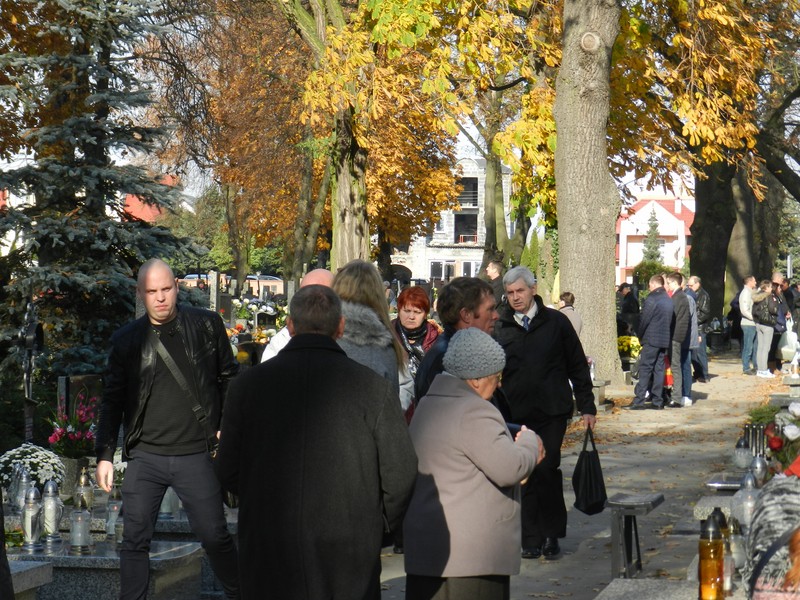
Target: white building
x: 675, y: 216
x: 456, y: 246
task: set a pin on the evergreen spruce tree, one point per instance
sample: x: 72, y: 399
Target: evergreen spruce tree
x: 652, y: 250
x: 70, y: 101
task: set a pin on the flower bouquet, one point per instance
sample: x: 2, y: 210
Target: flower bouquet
x: 782, y: 433
x: 629, y: 346
x: 73, y: 436
x: 42, y: 465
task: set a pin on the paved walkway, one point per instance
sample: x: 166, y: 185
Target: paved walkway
x: 671, y: 451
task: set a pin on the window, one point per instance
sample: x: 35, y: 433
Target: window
x: 444, y: 270
x: 470, y: 268
x: 469, y: 195
x: 465, y: 228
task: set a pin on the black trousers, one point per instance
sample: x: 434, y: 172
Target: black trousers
x: 544, y: 513
x: 486, y: 587
x: 192, y: 477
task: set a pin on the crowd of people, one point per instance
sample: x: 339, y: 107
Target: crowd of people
x: 355, y: 432
x: 672, y: 328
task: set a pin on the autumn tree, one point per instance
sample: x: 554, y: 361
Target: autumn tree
x: 70, y: 88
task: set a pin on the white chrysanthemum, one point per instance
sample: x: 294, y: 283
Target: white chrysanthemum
x: 792, y: 432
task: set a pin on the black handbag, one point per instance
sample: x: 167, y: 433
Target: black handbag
x: 230, y: 499
x: 587, y: 479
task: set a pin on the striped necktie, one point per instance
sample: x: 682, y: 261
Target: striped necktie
x: 526, y: 321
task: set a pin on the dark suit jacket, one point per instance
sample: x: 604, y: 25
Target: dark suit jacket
x: 655, y: 326
x: 318, y: 450
x: 683, y: 318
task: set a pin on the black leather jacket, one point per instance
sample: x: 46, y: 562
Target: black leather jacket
x: 703, y: 302
x: 129, y: 375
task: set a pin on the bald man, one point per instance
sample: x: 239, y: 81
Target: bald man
x: 165, y: 382
x: 280, y: 339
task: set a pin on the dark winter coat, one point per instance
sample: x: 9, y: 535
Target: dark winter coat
x: 128, y: 380
x: 319, y: 453
x: 655, y: 326
x: 683, y: 318
x: 765, y: 308
x: 703, y: 302
x: 540, y: 364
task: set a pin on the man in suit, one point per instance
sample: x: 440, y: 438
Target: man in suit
x: 655, y: 335
x: 545, y: 366
x: 319, y: 453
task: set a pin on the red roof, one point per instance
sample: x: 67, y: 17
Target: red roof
x: 686, y: 214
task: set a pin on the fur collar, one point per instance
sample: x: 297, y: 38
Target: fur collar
x: 363, y: 327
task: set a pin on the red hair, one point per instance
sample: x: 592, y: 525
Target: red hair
x: 793, y: 576
x: 415, y: 297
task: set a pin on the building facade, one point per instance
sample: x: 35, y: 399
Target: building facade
x: 455, y: 248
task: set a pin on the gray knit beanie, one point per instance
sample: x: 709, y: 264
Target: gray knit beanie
x: 473, y: 354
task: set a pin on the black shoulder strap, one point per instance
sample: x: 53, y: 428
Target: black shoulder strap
x: 764, y: 559
x: 197, y: 409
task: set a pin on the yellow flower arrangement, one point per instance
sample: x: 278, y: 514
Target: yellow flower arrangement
x: 628, y: 345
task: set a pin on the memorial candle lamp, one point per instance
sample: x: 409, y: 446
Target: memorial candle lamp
x: 32, y: 522
x: 112, y: 511
x: 84, y: 491
x: 23, y: 485
x: 80, y: 532
x: 742, y: 456
x: 52, y: 511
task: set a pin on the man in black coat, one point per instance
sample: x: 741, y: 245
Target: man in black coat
x: 700, y: 354
x: 318, y: 450
x: 680, y: 356
x: 655, y: 335
x: 545, y: 365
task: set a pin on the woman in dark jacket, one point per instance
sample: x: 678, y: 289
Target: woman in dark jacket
x: 765, y: 314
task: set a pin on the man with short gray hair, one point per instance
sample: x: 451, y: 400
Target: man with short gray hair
x: 545, y: 365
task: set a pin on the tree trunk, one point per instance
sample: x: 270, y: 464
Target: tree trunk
x: 349, y: 205
x: 492, y: 183
x: 767, y: 219
x: 714, y: 218
x: 588, y: 200
x: 741, y: 260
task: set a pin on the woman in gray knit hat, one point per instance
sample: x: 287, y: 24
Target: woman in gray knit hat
x: 462, y: 527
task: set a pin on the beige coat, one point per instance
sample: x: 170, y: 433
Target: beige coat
x: 464, y: 519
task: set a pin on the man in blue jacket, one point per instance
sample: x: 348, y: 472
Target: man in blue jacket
x: 655, y: 335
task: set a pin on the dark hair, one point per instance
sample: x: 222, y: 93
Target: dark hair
x: 568, y: 298
x: 416, y: 297
x: 675, y: 277
x: 657, y: 279
x: 461, y: 292
x: 315, y: 309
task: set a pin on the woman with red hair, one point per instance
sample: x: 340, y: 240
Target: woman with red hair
x: 414, y: 330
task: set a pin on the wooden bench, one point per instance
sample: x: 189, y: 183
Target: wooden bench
x: 625, y: 530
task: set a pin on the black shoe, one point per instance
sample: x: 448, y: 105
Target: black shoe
x: 657, y: 406
x: 534, y: 552
x: 550, y: 550
x: 636, y: 407
x: 673, y: 404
